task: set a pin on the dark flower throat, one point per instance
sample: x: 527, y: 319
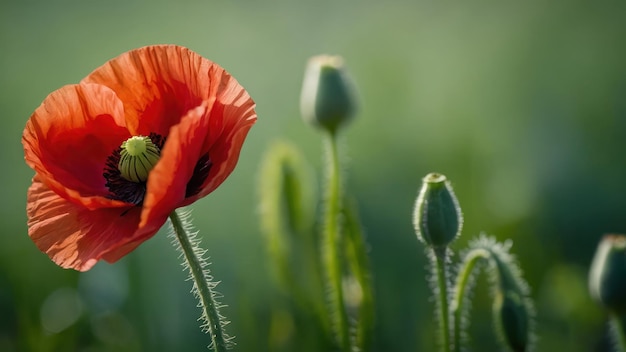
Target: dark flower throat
x: 134, y: 192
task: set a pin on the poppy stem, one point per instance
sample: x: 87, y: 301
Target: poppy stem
x: 459, y: 299
x: 618, y: 326
x: 203, y: 284
x: 332, y: 243
x: 439, y: 261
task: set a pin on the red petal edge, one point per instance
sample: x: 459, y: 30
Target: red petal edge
x: 158, y: 85
x: 231, y: 118
x: 75, y: 237
x: 68, y: 138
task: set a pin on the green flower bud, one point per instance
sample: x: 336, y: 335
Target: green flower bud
x: 607, y: 276
x: 512, y: 319
x: 437, y: 216
x: 327, y: 99
x: 137, y: 157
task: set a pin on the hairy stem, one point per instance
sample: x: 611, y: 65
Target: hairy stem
x: 359, y: 263
x: 331, y: 245
x: 619, y: 331
x: 203, y: 285
x: 458, y: 300
x: 442, y: 283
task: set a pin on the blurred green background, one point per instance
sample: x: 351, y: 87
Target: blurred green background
x: 520, y: 104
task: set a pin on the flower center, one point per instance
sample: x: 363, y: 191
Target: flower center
x: 126, y: 176
x: 126, y: 170
x: 138, y: 155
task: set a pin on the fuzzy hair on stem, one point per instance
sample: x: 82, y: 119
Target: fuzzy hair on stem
x: 439, y: 280
x: 462, y: 294
x: 504, y: 274
x: 185, y: 239
x: 332, y: 245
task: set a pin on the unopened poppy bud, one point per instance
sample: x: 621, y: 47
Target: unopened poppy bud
x: 512, y: 319
x: 607, y: 276
x: 437, y: 216
x: 327, y: 98
x: 137, y: 157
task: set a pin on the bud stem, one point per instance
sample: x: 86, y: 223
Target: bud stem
x: 618, y: 323
x: 458, y: 301
x: 203, y: 284
x: 331, y: 258
x: 513, y: 311
x: 442, y: 283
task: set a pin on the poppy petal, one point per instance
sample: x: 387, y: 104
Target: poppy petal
x: 73, y: 236
x: 186, y: 144
x: 158, y: 85
x: 68, y: 138
x: 168, y: 180
x: 234, y: 113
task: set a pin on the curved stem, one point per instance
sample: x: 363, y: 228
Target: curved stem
x: 463, y: 278
x: 442, y: 283
x: 332, y: 242
x: 203, y: 286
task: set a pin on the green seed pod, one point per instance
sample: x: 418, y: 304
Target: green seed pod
x: 137, y: 157
x: 327, y: 99
x: 607, y: 276
x: 512, y: 319
x: 437, y: 217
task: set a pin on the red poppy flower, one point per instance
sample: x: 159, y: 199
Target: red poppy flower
x: 152, y: 130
